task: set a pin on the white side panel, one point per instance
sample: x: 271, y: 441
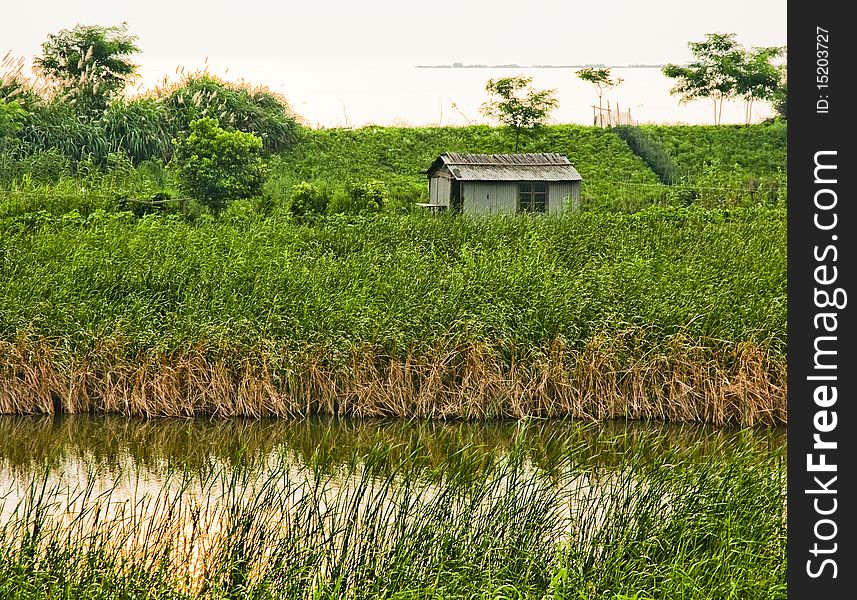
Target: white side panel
x: 560, y: 196
x: 440, y: 189
x: 489, y: 197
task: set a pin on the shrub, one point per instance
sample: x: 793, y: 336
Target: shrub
x: 307, y: 199
x: 213, y: 165
x: 368, y: 196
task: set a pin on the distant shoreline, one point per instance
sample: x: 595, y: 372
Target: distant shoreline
x: 515, y: 66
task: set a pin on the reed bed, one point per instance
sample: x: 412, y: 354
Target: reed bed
x: 606, y: 379
x: 667, y: 526
x: 667, y: 314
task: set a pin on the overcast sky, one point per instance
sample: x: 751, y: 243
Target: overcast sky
x: 481, y: 31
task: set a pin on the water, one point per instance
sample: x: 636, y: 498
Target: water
x: 133, y: 458
x: 349, y: 94
x: 322, y: 497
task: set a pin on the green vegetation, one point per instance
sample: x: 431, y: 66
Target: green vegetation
x: 163, y: 280
x: 613, y: 177
x: 373, y: 294
x: 514, y: 102
x: 215, y: 166
x: 74, y: 107
x: 658, y: 521
x: 727, y: 165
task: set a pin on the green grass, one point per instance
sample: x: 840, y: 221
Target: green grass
x: 665, y: 526
x: 612, y: 175
x: 758, y: 150
x: 394, y: 282
x: 668, y: 313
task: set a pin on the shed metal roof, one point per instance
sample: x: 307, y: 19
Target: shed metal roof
x: 506, y: 167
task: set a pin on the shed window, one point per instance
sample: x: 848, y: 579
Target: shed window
x: 532, y: 196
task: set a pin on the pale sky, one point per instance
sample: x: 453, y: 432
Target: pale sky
x: 348, y: 62
x: 490, y: 31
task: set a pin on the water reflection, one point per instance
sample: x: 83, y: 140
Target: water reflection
x: 109, y: 444
x: 302, y: 504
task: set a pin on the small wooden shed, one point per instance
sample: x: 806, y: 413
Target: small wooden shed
x: 503, y: 183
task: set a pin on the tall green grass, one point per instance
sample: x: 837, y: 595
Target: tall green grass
x: 395, y: 283
x: 664, y: 527
x: 671, y: 314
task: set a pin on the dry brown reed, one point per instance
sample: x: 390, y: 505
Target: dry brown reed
x: 612, y: 376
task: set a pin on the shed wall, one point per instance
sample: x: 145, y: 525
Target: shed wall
x: 439, y: 190
x: 559, y: 191
x: 501, y: 197
x: 489, y: 197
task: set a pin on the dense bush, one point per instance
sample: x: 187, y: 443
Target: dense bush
x: 307, y: 199
x: 368, y: 196
x: 214, y: 166
x: 236, y: 107
x: 143, y: 127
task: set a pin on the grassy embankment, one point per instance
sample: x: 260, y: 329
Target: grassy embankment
x: 613, y: 177
x: 332, y: 159
x: 674, y: 314
x: 657, y: 520
x: 715, y: 166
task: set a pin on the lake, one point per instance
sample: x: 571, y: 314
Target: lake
x: 350, y: 94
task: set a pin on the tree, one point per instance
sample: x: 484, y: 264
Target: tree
x: 90, y: 63
x: 757, y: 77
x: 779, y: 97
x: 214, y: 165
x: 603, y: 81
x: 513, y: 101
x: 713, y: 74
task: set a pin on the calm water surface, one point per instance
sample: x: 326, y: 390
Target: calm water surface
x: 178, y: 488
x: 134, y: 455
x: 352, y: 94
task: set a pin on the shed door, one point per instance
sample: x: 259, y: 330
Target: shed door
x: 455, y: 202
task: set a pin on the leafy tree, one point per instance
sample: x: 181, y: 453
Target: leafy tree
x: 603, y: 81
x: 90, y: 63
x: 779, y: 97
x: 214, y: 165
x: 514, y: 102
x: 757, y: 77
x: 713, y: 73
